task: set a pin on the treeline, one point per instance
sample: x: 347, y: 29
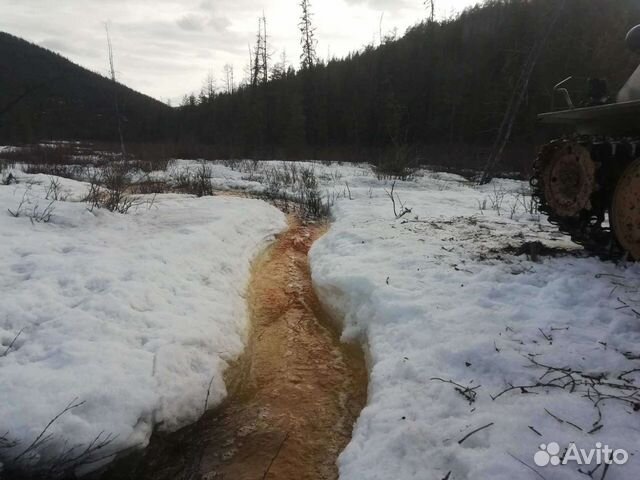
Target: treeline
x: 45, y: 96
x: 438, y: 94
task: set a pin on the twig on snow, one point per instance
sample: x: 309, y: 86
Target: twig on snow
x: 535, y: 431
x: 6, y: 352
x: 206, y: 400
x: 528, y: 466
x: 467, y: 392
x: 474, y: 432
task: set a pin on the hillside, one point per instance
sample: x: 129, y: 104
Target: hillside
x: 440, y: 90
x: 45, y: 96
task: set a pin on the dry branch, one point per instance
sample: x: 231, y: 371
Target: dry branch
x: 474, y: 432
x: 403, y: 210
x: 467, y: 392
x: 266, y: 472
x: 41, y: 438
x: 6, y: 352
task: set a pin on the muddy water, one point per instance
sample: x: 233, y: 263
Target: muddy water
x: 293, y: 396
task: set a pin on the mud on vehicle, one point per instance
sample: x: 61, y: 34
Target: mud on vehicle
x: 588, y: 183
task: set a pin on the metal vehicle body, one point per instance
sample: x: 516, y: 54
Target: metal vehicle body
x: 588, y: 183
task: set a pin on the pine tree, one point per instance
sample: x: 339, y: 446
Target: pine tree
x: 308, y: 42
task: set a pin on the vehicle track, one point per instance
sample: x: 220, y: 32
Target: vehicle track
x: 293, y: 396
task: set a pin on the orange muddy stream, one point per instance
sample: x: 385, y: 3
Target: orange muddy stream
x: 294, y: 395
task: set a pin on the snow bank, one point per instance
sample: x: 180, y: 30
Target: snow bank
x: 134, y: 315
x: 435, y: 297
x: 222, y: 177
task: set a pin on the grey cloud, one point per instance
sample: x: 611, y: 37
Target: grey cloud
x: 219, y: 23
x: 197, y: 23
x: 192, y: 22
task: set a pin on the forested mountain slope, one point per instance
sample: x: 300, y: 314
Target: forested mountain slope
x: 45, y: 96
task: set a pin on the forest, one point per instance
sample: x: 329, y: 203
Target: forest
x: 43, y: 96
x: 435, y: 95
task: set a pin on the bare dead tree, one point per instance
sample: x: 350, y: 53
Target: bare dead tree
x: 260, y: 54
x: 265, y: 50
x: 308, y: 42
x: 112, y: 73
x: 228, y: 78
x: 431, y: 6
x: 255, y: 69
x: 208, y: 91
x: 517, y: 97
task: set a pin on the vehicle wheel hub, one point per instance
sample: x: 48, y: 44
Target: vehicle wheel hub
x: 569, y: 180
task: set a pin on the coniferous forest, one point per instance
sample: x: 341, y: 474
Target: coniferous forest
x: 437, y: 94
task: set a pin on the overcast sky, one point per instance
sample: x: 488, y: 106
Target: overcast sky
x: 165, y: 48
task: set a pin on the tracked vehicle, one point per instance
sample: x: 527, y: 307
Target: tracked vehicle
x: 588, y: 183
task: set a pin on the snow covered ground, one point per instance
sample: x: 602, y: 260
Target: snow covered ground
x: 135, y: 315
x: 449, y: 315
x: 435, y: 298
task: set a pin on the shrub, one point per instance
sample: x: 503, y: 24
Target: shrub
x: 396, y: 164
x: 289, y: 184
x: 202, y: 186
x: 7, y: 178
x: 197, y: 182
x: 54, y: 190
x: 310, y: 200
x: 148, y: 187
x: 43, y: 154
x: 37, y: 460
x: 109, y: 188
x: 32, y: 210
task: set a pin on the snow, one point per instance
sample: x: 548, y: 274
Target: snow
x: 222, y: 177
x: 151, y: 304
x: 435, y: 295
x: 135, y: 315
